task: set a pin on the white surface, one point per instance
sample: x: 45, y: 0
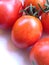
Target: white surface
x: 9, y: 54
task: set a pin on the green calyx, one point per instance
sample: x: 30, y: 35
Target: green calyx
x: 46, y: 7
x: 30, y: 10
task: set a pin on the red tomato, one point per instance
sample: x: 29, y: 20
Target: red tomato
x: 35, y: 3
x: 39, y: 54
x: 40, y: 12
x: 9, y: 12
x: 45, y: 21
x: 26, y: 31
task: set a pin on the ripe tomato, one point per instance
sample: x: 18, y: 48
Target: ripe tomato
x: 39, y: 54
x: 40, y: 12
x: 35, y: 3
x: 9, y: 12
x: 26, y: 31
x: 45, y: 21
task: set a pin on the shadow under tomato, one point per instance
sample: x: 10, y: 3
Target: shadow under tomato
x: 23, y: 53
x: 11, y: 48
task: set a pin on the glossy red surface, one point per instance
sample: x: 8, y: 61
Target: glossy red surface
x: 9, y: 12
x: 40, y: 52
x: 26, y: 31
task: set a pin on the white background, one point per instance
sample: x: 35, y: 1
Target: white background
x: 9, y: 54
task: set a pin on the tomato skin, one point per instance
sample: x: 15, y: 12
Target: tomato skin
x: 45, y: 21
x: 35, y: 3
x: 26, y: 31
x: 9, y: 12
x: 40, y: 12
x: 40, y: 52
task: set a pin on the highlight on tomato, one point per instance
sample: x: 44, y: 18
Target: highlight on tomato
x: 26, y: 31
x: 9, y: 12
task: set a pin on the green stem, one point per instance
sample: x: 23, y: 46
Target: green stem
x: 26, y: 7
x: 47, y: 11
x: 41, y: 7
x: 31, y: 12
x: 35, y: 13
x: 47, y: 1
x: 46, y: 5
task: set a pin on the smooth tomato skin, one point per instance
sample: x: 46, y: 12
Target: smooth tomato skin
x: 35, y: 3
x: 26, y: 31
x: 9, y: 12
x: 45, y: 21
x: 39, y: 54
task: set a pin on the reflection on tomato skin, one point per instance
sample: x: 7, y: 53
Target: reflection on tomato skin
x: 9, y: 12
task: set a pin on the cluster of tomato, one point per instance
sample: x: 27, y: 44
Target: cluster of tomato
x: 27, y: 30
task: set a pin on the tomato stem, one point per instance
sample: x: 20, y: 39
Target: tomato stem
x: 31, y: 10
x: 46, y: 7
x: 41, y: 7
x: 35, y: 13
x: 47, y: 1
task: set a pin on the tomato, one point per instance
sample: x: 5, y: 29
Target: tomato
x: 26, y: 31
x: 45, y: 21
x: 9, y: 12
x: 40, y: 12
x: 39, y: 54
x: 35, y: 3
